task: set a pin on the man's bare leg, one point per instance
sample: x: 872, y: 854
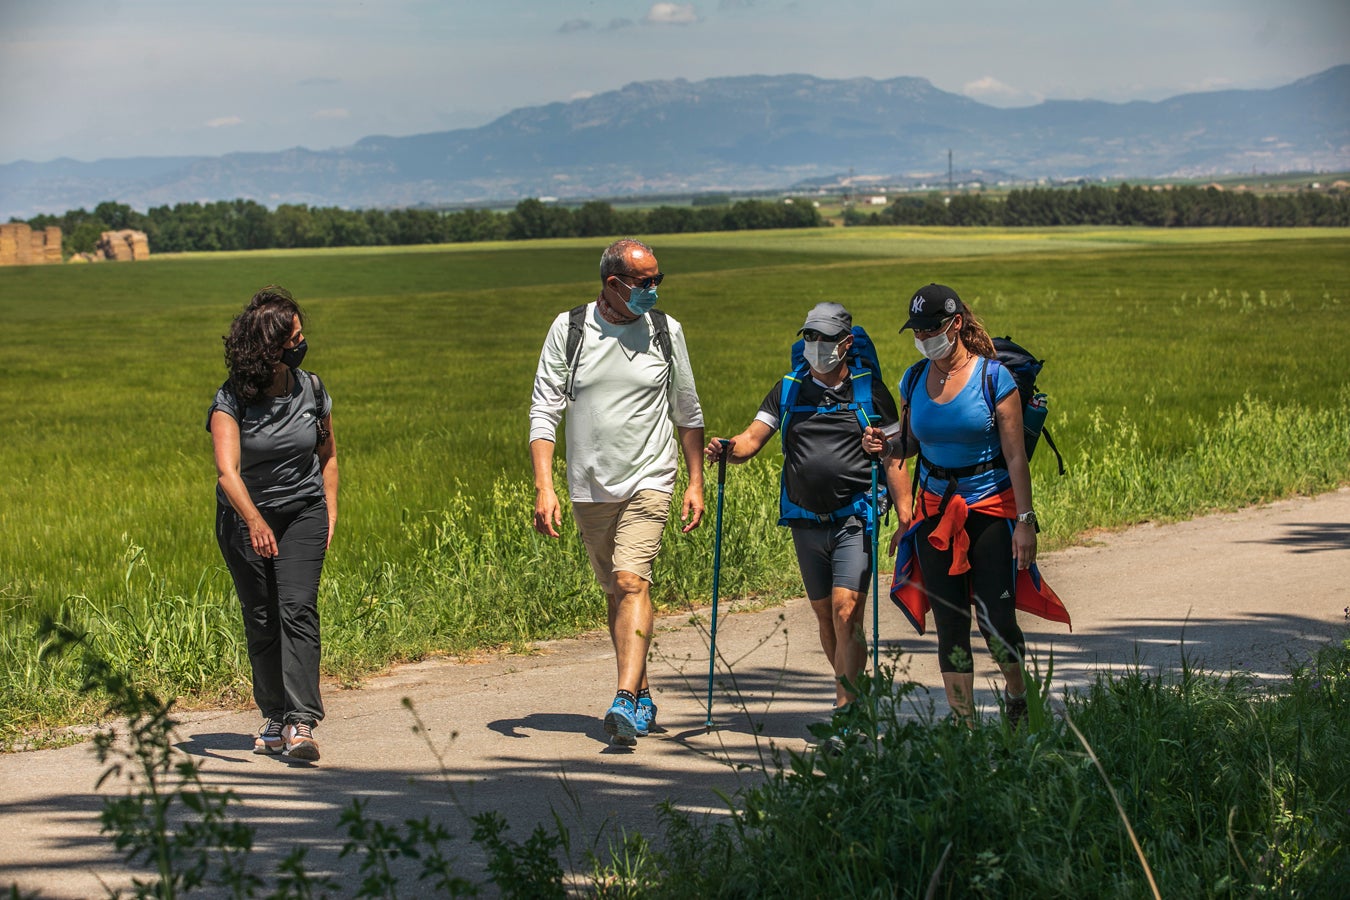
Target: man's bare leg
x: 631, y: 620
x: 840, y: 622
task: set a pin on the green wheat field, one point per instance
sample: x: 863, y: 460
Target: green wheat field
x: 1187, y: 371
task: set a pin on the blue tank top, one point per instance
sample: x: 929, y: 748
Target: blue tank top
x: 961, y: 432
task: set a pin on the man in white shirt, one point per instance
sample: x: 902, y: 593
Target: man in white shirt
x: 628, y: 390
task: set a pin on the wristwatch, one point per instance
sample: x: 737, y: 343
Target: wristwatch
x: 1027, y: 518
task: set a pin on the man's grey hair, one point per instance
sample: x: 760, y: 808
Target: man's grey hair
x: 614, y: 261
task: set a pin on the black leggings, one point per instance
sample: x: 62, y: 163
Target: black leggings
x: 280, y: 601
x: 990, y: 584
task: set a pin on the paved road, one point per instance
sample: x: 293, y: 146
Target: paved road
x: 521, y: 734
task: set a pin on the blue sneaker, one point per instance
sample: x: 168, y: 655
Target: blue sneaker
x: 646, y: 717
x: 621, y: 723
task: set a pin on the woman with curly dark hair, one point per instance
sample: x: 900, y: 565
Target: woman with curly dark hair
x: 276, y: 507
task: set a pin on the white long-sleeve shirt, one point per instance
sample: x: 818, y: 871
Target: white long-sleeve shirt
x: 620, y: 430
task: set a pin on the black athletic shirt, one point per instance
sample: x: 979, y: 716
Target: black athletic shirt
x: 823, y: 460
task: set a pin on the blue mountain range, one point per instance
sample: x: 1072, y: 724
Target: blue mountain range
x: 737, y: 134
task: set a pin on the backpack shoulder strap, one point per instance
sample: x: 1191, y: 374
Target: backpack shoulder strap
x: 910, y: 379
x: 991, y: 367
x: 576, y: 330
x: 862, y: 392
x: 787, y: 396
x: 316, y: 389
x: 661, y: 333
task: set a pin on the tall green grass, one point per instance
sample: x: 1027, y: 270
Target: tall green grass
x: 1198, y: 783
x: 1186, y: 372
x: 1178, y: 783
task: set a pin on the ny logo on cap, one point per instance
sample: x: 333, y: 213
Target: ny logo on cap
x: 916, y: 305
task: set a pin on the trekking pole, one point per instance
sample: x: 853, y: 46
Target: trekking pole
x: 876, y: 562
x: 717, y: 571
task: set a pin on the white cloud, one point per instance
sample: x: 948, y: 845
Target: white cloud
x: 582, y: 95
x: 671, y: 14
x: 994, y: 92
x: 224, y: 122
x: 335, y: 113
x: 572, y: 25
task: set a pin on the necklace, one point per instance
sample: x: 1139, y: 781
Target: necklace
x: 948, y: 373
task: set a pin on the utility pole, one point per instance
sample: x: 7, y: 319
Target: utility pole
x: 951, y: 183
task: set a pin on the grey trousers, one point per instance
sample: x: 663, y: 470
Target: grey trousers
x: 279, y: 599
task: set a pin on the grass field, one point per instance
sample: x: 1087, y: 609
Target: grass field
x: 1188, y: 370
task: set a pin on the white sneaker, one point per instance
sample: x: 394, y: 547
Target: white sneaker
x: 300, y: 743
x: 269, y: 739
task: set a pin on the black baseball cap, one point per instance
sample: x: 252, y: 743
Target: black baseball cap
x: 931, y: 306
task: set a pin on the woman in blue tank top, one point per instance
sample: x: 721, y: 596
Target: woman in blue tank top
x: 975, y: 526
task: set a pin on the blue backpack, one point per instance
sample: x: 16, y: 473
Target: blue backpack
x: 865, y: 370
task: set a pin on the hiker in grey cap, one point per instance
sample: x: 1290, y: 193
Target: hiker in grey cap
x: 821, y: 408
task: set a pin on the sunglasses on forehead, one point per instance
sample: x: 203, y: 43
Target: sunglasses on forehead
x: 644, y: 281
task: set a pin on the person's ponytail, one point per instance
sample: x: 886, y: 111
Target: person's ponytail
x: 973, y: 335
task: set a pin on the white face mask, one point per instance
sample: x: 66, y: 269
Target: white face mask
x: 939, y: 346
x: 822, y: 356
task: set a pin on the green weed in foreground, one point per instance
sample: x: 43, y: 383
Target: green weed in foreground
x: 1180, y: 372
x: 1175, y: 784
x: 1232, y: 793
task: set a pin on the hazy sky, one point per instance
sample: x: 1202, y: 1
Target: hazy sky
x: 100, y: 78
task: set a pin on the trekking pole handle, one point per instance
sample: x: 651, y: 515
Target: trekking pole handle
x: 722, y: 460
x: 874, y: 421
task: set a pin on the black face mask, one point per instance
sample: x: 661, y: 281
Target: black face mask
x: 292, y: 357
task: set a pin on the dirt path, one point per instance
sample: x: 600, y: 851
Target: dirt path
x: 1249, y: 590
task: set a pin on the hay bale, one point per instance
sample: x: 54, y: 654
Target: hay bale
x: 124, y: 246
x: 16, y: 244
x: 52, y: 250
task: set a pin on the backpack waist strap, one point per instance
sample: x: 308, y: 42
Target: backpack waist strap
x: 947, y: 474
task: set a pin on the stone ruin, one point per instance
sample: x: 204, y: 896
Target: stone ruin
x: 21, y: 245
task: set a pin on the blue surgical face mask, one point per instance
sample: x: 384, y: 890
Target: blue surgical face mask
x: 641, y: 299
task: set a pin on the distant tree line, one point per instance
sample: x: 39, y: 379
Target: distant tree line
x: 247, y: 225
x: 1180, y: 207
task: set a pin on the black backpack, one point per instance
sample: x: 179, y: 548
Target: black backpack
x: 1024, y: 367
x: 576, y: 330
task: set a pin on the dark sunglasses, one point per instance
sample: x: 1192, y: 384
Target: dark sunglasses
x: 943, y: 326
x: 811, y: 335
x: 645, y: 281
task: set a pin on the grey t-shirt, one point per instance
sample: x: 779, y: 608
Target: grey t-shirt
x: 277, y: 437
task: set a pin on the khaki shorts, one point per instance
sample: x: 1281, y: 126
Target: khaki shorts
x: 623, y: 537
